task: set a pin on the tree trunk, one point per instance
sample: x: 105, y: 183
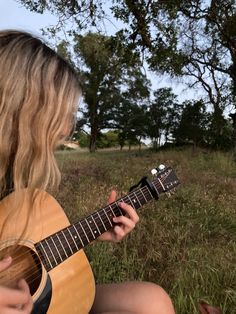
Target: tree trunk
x: 155, y: 145
x: 93, y: 138
x: 233, y: 117
x: 139, y: 146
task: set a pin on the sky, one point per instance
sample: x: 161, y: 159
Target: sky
x: 16, y: 16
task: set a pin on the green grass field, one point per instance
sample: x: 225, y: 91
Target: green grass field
x: 186, y: 243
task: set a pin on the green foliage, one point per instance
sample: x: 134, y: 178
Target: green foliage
x: 193, y: 124
x: 83, y: 139
x: 185, y: 243
x: 162, y: 114
x: 109, y: 75
x: 220, y: 133
x: 108, y: 139
x: 191, y: 38
x: 131, y: 122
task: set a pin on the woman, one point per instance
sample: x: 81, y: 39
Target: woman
x: 39, y: 93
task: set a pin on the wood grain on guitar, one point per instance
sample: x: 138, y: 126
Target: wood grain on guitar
x: 50, y: 256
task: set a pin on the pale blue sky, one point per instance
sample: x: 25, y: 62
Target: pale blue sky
x: 14, y: 15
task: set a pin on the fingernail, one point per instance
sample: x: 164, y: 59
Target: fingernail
x: 7, y: 259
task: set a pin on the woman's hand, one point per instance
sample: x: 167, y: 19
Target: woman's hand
x: 14, y: 301
x: 124, y: 224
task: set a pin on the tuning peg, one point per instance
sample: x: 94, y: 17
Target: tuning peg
x: 158, y: 169
x: 161, y: 167
x: 154, y: 171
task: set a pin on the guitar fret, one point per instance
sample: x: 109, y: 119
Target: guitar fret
x: 140, y: 204
x: 70, y: 240
x: 56, y: 249
x: 134, y: 201
x: 149, y: 192
x: 53, y: 256
x: 108, y: 217
x: 79, y: 236
x: 84, y: 231
x: 131, y: 203
x: 45, y: 254
x: 67, y: 241
x: 102, y: 221
x: 118, y: 207
x: 143, y: 196
x: 77, y: 248
x: 90, y: 227
x: 96, y: 225
x: 112, y: 210
x: 58, y: 236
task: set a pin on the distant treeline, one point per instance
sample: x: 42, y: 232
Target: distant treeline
x: 166, y: 123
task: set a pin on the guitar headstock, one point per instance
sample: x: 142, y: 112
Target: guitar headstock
x: 165, y: 179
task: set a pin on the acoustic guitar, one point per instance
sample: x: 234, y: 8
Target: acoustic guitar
x: 50, y: 256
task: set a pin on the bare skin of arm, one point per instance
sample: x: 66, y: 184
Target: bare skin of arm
x: 129, y: 297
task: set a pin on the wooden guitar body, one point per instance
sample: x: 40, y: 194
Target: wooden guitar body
x: 49, y: 254
x: 67, y: 288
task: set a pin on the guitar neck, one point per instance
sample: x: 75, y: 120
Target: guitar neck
x: 56, y: 248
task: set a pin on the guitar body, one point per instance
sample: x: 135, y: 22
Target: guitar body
x: 47, y: 253
x: 67, y: 288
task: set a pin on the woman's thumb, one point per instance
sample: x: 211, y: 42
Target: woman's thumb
x: 5, y: 263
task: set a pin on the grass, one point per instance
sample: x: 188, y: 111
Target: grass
x: 186, y: 243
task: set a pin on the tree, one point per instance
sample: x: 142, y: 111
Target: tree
x: 132, y: 123
x: 192, y: 127
x: 161, y: 114
x: 107, y: 69
x: 130, y: 117
x: 195, y: 39
x: 108, y: 139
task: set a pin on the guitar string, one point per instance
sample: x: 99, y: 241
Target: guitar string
x: 29, y: 274
x: 103, y: 215
x: 109, y: 207
x: 49, y: 255
x: 37, y: 271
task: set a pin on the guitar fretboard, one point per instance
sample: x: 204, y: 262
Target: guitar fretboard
x: 59, y: 246
x: 56, y: 248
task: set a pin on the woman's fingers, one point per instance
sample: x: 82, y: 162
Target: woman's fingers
x: 119, y: 234
x: 12, y: 296
x: 27, y: 307
x: 125, y: 222
x: 130, y: 211
x: 5, y: 263
x: 112, y: 197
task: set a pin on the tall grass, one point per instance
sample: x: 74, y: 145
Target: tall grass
x: 186, y: 243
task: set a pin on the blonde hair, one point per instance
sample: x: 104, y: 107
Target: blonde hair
x: 39, y: 93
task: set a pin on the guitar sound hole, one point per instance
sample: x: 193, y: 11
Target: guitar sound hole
x: 25, y: 264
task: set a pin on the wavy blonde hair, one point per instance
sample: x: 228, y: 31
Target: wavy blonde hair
x: 39, y: 93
